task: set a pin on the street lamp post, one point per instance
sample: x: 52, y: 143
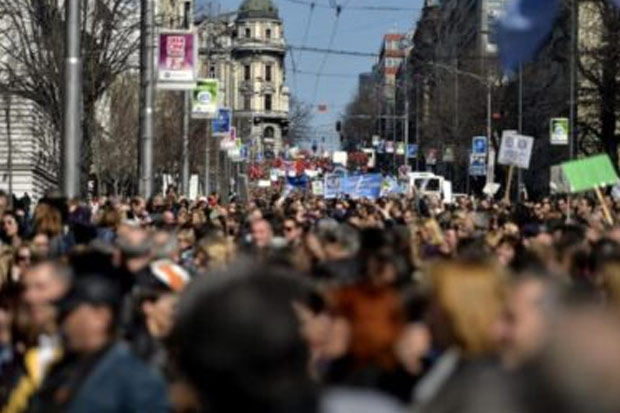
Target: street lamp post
x: 72, y: 129
x: 147, y: 97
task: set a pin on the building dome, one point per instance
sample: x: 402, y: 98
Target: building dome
x: 257, y: 9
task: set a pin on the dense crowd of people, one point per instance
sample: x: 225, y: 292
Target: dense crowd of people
x: 302, y: 304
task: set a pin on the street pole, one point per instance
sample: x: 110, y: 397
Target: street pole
x: 519, y: 171
x: 187, y: 24
x: 72, y: 115
x: 207, y: 177
x: 185, y: 150
x: 573, y: 76
x: 9, y: 141
x: 406, y: 157
x: 491, y: 161
x: 147, y: 97
x: 417, y: 123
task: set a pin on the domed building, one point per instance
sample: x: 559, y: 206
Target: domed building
x: 246, y: 51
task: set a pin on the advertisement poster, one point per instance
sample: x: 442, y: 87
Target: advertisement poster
x: 559, y: 131
x: 222, y: 122
x: 479, y: 145
x: 177, y: 60
x: 205, y: 98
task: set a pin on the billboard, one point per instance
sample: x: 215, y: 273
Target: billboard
x: 177, y: 60
x: 205, y: 98
x: 222, y: 123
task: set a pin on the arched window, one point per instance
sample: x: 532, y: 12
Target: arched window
x: 269, y: 132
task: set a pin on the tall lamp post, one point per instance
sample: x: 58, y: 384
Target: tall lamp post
x: 147, y: 97
x: 72, y: 113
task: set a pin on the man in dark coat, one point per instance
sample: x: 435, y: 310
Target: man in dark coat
x: 97, y: 374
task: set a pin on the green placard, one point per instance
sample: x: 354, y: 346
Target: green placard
x: 590, y: 173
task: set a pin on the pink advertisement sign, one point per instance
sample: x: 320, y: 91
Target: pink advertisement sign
x: 177, y: 60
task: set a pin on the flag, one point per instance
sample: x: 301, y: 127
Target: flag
x: 523, y: 29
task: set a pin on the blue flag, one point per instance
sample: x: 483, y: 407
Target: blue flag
x: 523, y: 30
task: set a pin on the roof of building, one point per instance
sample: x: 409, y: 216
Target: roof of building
x: 257, y: 9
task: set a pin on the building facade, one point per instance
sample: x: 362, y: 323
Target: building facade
x: 246, y: 51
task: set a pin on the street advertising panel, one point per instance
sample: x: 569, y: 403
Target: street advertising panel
x: 477, y: 164
x: 516, y: 150
x: 559, y: 131
x: 222, y: 123
x: 177, y: 60
x: 205, y: 99
x: 479, y: 145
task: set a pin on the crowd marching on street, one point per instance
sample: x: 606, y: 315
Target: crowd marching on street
x: 302, y: 304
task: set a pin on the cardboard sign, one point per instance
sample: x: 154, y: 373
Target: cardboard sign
x: 590, y: 173
x: 317, y: 188
x: 516, y: 150
x: 332, y: 186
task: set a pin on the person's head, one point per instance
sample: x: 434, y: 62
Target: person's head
x: 22, y: 258
x: 186, y: 238
x: 138, y: 206
x: 110, y: 218
x: 506, y: 250
x: 40, y: 246
x: 135, y: 245
x: 168, y: 218
x: 10, y: 225
x: 47, y: 220
x: 466, y: 306
x: 158, y: 295
x: 44, y: 284
x: 262, y: 233
x: 292, y: 230
x: 89, y: 314
x: 213, y: 252
x: 531, y: 304
x: 235, y: 360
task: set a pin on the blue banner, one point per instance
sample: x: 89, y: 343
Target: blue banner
x: 363, y: 186
x: 297, y: 181
x: 222, y: 122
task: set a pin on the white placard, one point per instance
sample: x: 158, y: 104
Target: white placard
x: 516, y: 150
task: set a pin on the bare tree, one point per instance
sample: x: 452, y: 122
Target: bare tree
x: 115, y: 152
x: 300, y: 118
x: 32, y: 49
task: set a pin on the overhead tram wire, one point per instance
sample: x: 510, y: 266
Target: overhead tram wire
x: 361, y: 8
x: 329, y: 46
x: 312, y: 5
x: 332, y: 51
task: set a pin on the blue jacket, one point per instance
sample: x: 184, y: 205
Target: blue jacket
x: 121, y: 383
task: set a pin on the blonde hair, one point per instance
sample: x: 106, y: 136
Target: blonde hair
x: 470, y: 295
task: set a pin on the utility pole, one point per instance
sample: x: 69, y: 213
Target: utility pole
x: 147, y: 96
x: 187, y: 25
x: 9, y: 142
x: 417, y: 123
x: 72, y: 114
x: 519, y: 170
x: 573, y: 75
x: 406, y: 119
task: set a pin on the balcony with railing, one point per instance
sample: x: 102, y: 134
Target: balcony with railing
x: 264, y: 44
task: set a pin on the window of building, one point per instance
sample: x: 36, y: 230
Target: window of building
x: 268, y: 103
x: 268, y: 33
x: 248, y: 32
x: 269, y: 132
x: 247, y: 73
x: 212, y: 72
x: 268, y: 73
x: 247, y: 102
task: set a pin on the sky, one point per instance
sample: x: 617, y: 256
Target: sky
x: 355, y: 30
